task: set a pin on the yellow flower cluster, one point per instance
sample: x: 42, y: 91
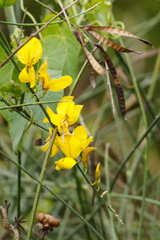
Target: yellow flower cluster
x: 29, y: 55
x: 71, y: 144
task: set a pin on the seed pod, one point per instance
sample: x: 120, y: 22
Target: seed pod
x: 52, y: 221
x: 40, y: 217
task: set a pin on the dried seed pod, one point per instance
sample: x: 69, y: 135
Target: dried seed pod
x: 117, y: 84
x: 47, y: 220
x: 117, y: 31
x: 111, y: 44
x: 93, y: 62
x: 52, y: 221
x: 40, y: 217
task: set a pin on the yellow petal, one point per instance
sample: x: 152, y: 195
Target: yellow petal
x: 45, y: 147
x: 74, y: 115
x: 97, y: 172
x: 43, y: 68
x: 28, y: 76
x: 31, y: 52
x: 45, y: 120
x: 59, y: 84
x: 86, y: 142
x: 55, y: 119
x: 32, y: 77
x: 23, y: 76
x: 54, y: 150
x: 44, y: 76
x: 63, y: 107
x: 69, y: 145
x: 97, y: 176
x: 86, y: 153
x: 65, y: 163
x: 80, y: 132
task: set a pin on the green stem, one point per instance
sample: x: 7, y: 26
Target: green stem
x: 10, y: 16
x: 99, y: 196
x: 114, y: 236
x: 55, y: 195
x: 155, y: 121
x: 28, y: 104
x: 154, y: 77
x: 77, y: 78
x: 37, y: 194
x: 24, y: 115
x: 19, y: 187
x: 136, y: 198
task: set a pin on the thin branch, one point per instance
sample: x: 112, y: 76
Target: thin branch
x: 64, y: 12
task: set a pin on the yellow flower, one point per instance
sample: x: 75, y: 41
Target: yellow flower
x: 97, y: 176
x: 71, y: 147
x: 29, y: 54
x: 54, y: 84
x: 46, y: 146
x: 85, y: 156
x: 67, y: 114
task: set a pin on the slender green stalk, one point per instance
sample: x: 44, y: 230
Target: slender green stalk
x: 37, y: 194
x: 10, y: 16
x: 30, y: 16
x: 19, y: 186
x: 64, y: 12
x: 99, y: 196
x: 154, y: 77
x: 77, y: 78
x: 136, y: 198
x: 155, y: 121
x: 81, y: 202
x: 55, y: 195
x: 114, y: 236
x: 28, y: 104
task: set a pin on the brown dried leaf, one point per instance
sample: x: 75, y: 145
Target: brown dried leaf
x: 95, y: 65
x: 110, y: 44
x: 117, y: 31
x: 117, y: 84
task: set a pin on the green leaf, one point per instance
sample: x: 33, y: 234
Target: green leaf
x: 6, y: 70
x: 61, y: 49
x: 101, y: 15
x: 16, y: 127
x: 7, y: 3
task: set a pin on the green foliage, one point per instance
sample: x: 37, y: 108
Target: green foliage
x: 16, y: 128
x: 6, y: 71
x: 60, y: 48
x: 7, y: 3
